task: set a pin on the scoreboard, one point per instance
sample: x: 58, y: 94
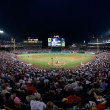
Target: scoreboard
x: 56, y: 42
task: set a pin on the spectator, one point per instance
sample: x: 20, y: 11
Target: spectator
x: 37, y: 104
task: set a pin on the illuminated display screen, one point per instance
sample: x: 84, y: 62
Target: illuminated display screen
x: 56, y: 42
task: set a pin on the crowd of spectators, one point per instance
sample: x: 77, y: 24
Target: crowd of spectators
x: 23, y: 87
x: 30, y: 50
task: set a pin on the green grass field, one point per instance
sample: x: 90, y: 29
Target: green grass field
x: 55, y: 60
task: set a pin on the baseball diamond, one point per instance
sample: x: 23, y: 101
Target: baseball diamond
x: 54, y: 60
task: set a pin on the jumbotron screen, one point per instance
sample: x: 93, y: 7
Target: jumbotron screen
x: 56, y: 42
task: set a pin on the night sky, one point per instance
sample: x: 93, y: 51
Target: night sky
x: 75, y: 20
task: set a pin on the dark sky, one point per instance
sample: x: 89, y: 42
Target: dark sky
x: 75, y: 20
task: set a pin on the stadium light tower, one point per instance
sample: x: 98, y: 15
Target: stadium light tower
x: 14, y: 44
x: 97, y: 45
x: 1, y: 31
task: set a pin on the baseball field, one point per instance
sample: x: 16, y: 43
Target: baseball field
x: 55, y: 60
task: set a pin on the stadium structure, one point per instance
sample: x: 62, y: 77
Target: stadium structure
x: 76, y: 77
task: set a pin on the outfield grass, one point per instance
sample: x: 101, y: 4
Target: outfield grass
x: 55, y: 60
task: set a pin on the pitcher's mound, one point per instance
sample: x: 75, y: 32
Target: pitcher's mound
x: 56, y: 63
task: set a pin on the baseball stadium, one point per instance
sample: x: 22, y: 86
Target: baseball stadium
x: 71, y: 78
x: 54, y: 55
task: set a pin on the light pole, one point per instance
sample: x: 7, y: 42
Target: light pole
x: 97, y: 45
x: 14, y: 44
x: 1, y: 31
